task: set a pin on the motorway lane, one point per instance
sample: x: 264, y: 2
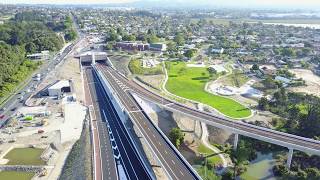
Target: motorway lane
x: 121, y: 143
x: 105, y: 165
x: 250, y: 129
x: 98, y: 174
x: 174, y: 167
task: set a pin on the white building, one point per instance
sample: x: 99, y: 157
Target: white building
x: 59, y: 88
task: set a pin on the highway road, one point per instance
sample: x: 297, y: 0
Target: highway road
x: 171, y: 163
x: 268, y: 135
x: 116, y: 147
x: 14, y: 102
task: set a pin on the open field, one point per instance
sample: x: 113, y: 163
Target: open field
x: 24, y: 156
x: 312, y: 82
x: 189, y: 83
x: 14, y: 175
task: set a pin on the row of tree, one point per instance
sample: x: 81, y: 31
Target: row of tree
x: 26, y: 33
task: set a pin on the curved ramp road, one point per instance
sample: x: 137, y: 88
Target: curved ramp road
x: 264, y: 134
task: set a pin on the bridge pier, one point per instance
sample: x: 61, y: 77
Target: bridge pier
x: 289, y: 158
x: 235, y: 141
x: 93, y: 59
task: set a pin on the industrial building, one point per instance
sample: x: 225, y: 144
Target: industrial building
x: 60, y: 87
x: 139, y: 46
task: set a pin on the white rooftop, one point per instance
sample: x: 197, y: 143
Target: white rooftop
x: 93, y: 53
x: 60, y: 84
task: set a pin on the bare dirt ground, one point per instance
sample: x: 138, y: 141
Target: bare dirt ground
x: 154, y: 80
x: 312, y: 82
x: 120, y: 62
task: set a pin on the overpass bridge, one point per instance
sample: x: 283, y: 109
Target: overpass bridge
x: 292, y: 142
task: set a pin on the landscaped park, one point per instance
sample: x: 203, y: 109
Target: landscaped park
x: 189, y: 83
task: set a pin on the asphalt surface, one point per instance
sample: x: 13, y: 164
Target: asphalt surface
x: 174, y: 167
x: 268, y: 135
x: 115, y: 144
x: 15, y: 101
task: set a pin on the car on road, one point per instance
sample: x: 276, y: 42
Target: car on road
x: 13, y: 109
x: 2, y: 116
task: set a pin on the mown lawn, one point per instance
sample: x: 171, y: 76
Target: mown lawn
x: 189, y: 82
x: 25, y: 156
x: 15, y: 175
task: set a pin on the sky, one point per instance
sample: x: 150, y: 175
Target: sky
x: 234, y: 3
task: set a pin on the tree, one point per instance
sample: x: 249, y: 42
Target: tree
x: 130, y: 37
x: 31, y: 47
x: 179, y: 39
x: 172, y: 46
x: 255, y: 67
x: 112, y: 36
x: 176, y: 136
x: 269, y: 83
x: 189, y: 53
x: 263, y: 104
x: 153, y: 38
x: 70, y: 35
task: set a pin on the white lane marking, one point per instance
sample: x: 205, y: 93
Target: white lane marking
x: 135, y: 111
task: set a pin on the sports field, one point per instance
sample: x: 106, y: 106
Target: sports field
x: 189, y: 82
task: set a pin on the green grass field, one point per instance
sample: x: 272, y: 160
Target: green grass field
x: 214, y: 159
x: 190, y: 82
x: 14, y: 175
x: 25, y: 156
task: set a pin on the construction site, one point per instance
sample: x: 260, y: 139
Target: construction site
x: 37, y: 140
